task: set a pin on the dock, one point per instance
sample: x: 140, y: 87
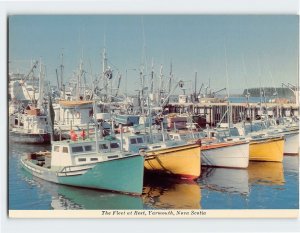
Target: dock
x: 212, y: 113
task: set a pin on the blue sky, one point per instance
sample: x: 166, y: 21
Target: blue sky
x: 260, y: 49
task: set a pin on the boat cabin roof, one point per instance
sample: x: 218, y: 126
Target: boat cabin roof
x: 110, y: 144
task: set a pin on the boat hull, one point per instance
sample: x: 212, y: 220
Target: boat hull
x: 229, y: 155
x: 270, y: 149
x: 121, y: 175
x: 181, y: 161
x: 291, y: 143
x: 29, y: 138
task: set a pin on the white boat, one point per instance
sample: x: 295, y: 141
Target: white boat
x: 73, y: 115
x: 231, y: 153
x: 290, y: 132
x: 30, y: 127
x: 291, y: 141
x: 225, y: 154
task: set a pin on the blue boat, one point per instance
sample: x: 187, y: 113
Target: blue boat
x: 90, y: 164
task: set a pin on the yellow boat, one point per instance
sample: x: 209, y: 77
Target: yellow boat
x: 268, y: 149
x: 182, y: 161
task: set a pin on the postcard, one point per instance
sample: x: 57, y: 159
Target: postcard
x: 153, y: 116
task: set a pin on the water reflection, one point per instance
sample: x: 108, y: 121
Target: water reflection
x: 94, y: 199
x: 266, y: 173
x: 291, y: 163
x: 225, y: 180
x: 263, y: 185
x: 70, y: 198
x: 170, y: 193
x: 239, y: 181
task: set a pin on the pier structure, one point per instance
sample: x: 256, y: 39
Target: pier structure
x: 213, y: 113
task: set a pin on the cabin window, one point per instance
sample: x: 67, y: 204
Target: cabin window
x: 89, y: 148
x: 56, y: 148
x: 65, y: 150
x: 77, y: 149
x: 132, y: 140
x: 155, y: 147
x: 114, y: 145
x: 176, y: 137
x: 184, y: 137
x: 94, y: 159
x: 81, y: 159
x: 112, y: 156
x: 139, y: 140
x: 171, y: 136
x: 103, y: 147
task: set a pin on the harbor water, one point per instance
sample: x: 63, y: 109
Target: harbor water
x: 263, y: 185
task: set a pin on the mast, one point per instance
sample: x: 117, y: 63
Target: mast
x: 58, y: 85
x: 41, y: 86
x: 142, y: 91
x: 79, y: 80
x: 195, y: 91
x: 104, y: 68
x: 96, y: 126
x: 170, y: 77
x: 152, y: 77
x: 61, y: 70
x: 246, y: 115
x: 160, y: 89
x: 162, y: 130
x: 50, y: 117
x: 229, y: 114
x: 150, y: 119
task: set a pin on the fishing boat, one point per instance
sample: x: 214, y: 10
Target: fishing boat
x: 164, y: 156
x: 182, y: 161
x: 266, y: 148
x: 176, y: 121
x: 290, y: 132
x: 263, y: 147
x: 90, y: 164
x: 231, y: 153
x: 74, y: 115
x: 291, y: 140
x: 30, y: 126
x: 24, y: 87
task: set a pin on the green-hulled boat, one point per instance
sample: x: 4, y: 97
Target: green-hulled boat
x: 90, y: 164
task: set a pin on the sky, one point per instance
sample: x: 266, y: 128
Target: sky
x: 238, y: 51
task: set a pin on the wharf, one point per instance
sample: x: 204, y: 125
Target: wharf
x: 212, y: 112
